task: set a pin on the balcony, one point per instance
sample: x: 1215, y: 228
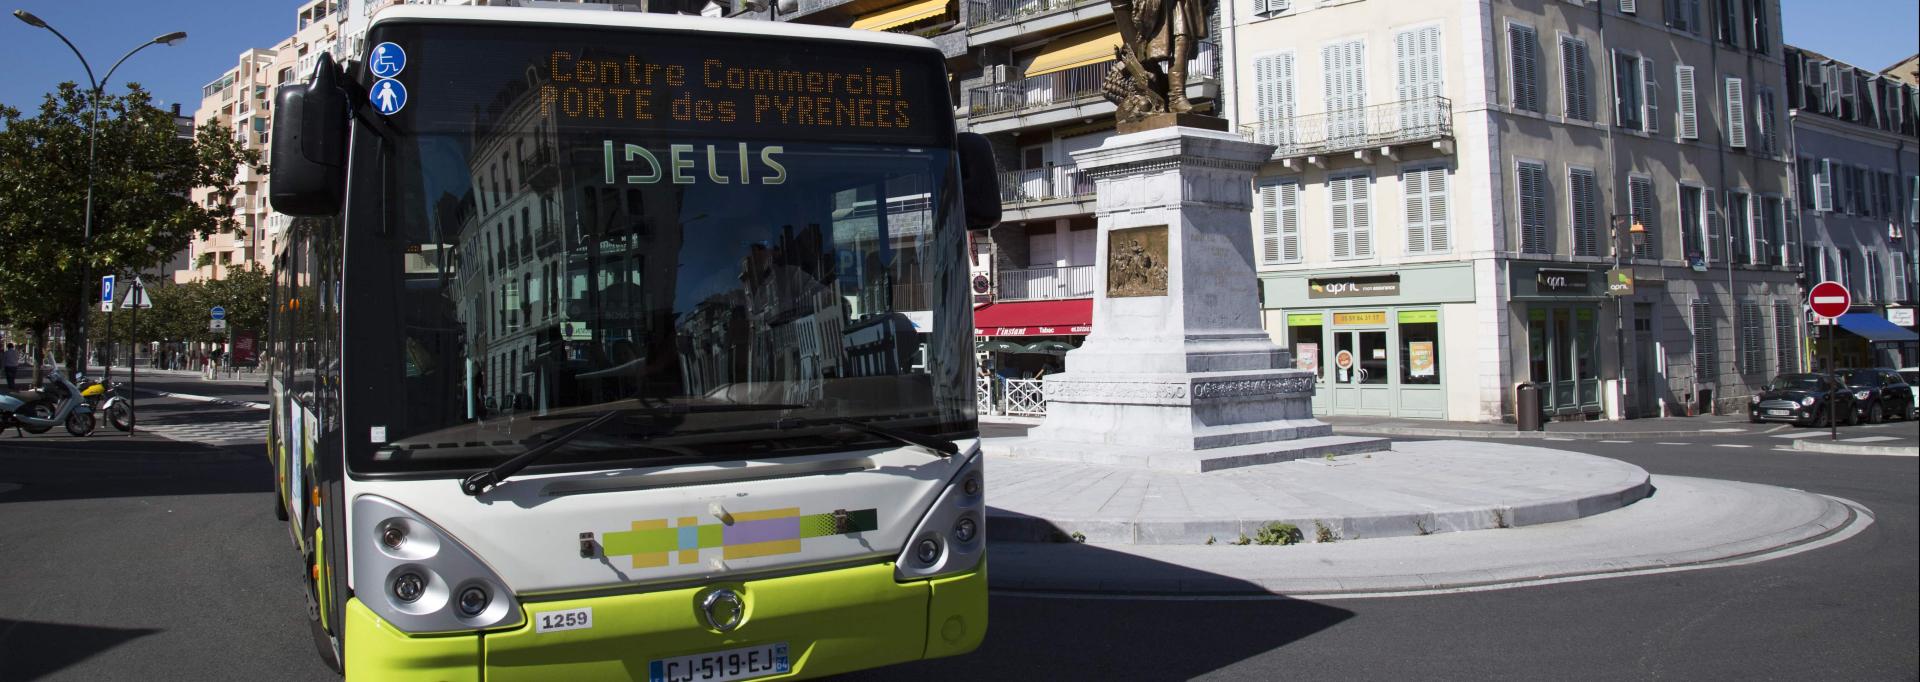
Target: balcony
x: 538, y: 169
x: 1381, y: 128
x: 1043, y: 193
x: 992, y: 21
x: 1047, y: 282
x: 1067, y: 95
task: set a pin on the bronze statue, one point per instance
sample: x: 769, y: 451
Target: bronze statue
x: 1157, y: 38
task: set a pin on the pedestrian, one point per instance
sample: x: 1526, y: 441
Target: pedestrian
x: 10, y: 364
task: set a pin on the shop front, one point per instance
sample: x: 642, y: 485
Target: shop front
x: 1376, y: 340
x: 1018, y: 343
x: 1562, y: 305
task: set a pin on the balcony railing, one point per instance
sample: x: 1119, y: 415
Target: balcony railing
x: 1068, y: 86
x: 1044, y: 184
x: 985, y: 13
x: 1046, y: 282
x: 810, y: 6
x: 1393, y: 123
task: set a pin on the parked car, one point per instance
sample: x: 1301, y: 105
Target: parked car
x: 1803, y: 399
x: 1879, y: 394
x: 1912, y: 375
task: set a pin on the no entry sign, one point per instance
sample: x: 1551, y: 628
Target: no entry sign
x: 1829, y: 299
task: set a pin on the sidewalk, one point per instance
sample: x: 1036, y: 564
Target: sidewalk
x: 1664, y: 427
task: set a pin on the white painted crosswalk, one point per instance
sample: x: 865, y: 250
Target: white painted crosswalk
x: 1869, y: 439
x: 1800, y: 434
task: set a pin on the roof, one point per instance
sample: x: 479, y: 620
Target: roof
x: 668, y: 22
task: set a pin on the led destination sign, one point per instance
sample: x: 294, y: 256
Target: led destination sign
x: 629, y: 88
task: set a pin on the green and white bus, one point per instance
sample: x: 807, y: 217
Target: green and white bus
x: 612, y: 345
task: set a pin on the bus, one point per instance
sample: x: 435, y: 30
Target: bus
x: 611, y: 345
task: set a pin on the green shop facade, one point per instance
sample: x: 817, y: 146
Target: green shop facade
x: 1389, y: 342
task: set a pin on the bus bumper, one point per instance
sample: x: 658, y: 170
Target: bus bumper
x: 832, y: 622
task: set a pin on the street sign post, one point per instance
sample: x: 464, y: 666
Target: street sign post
x: 1830, y: 300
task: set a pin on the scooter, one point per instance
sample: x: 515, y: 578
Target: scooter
x: 71, y: 409
x: 17, y: 406
x: 117, y: 408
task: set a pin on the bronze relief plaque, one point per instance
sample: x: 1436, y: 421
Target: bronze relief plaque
x: 1137, y: 262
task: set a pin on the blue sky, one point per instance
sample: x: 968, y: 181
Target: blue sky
x: 1867, y: 33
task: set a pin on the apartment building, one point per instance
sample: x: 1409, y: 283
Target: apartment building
x: 1451, y: 178
x: 1858, y: 170
x: 240, y: 99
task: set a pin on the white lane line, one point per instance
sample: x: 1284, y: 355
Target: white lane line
x: 1869, y: 439
x: 1730, y: 445
x: 1563, y: 440
x: 1802, y: 434
x: 1670, y: 443
x: 210, y: 399
x: 1616, y: 441
x: 1722, y: 430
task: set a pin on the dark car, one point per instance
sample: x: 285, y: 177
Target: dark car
x: 1803, y: 399
x: 1879, y: 393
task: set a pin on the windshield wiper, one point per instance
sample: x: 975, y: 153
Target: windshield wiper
x: 938, y: 446
x: 483, y: 481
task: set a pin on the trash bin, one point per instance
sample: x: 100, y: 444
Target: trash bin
x: 1526, y: 407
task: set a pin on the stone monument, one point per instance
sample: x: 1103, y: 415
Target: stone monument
x: 1178, y: 373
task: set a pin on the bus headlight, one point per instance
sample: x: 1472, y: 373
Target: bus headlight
x: 433, y: 582
x: 950, y: 537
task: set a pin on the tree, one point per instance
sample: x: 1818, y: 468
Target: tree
x: 142, y: 213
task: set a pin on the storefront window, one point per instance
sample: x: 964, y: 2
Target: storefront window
x: 1537, y: 344
x: 1419, y: 346
x: 1304, y: 341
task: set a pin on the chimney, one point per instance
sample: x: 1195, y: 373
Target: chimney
x: 176, y: 108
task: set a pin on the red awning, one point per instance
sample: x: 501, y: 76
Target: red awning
x: 1070, y: 317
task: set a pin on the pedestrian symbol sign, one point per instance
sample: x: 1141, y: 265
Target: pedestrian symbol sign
x: 387, y: 60
x: 389, y: 96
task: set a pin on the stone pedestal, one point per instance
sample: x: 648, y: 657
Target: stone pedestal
x: 1178, y: 373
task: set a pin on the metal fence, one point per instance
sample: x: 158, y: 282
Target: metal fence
x: 985, y: 13
x: 1427, y: 118
x: 1065, y: 87
x: 1045, y: 282
x: 1039, y: 185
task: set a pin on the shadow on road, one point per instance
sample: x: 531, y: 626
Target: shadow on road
x: 51, y: 467
x: 54, y: 646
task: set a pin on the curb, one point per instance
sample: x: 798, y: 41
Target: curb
x: 1496, y: 561
x: 1419, y: 432
x: 1855, y: 449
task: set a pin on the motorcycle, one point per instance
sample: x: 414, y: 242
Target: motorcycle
x: 117, y: 408
x: 60, y: 402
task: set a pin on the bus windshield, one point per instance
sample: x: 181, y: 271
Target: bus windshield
x: 730, y: 256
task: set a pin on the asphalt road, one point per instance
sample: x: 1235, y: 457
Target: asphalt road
x: 145, y: 558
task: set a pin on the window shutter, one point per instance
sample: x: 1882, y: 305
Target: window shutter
x: 1823, y: 187
x: 1703, y: 342
x: 1279, y: 222
x: 1269, y: 224
x: 1785, y: 347
x: 1533, y: 207
x: 1899, y: 274
x: 1362, y: 210
x: 1753, y: 346
x: 1418, y: 57
x: 1640, y: 199
x: 1439, y: 232
x: 1629, y: 6
x: 1576, y: 84
x: 1736, y: 97
x: 1259, y: 8
x: 1524, y: 67
x: 1341, y: 226
x: 1649, y: 96
x: 1763, y: 104
x: 1273, y: 98
x: 1584, y: 191
x: 1913, y: 200
x: 1712, y: 226
x: 1413, y: 183
x: 1688, y: 111
x: 1289, y: 221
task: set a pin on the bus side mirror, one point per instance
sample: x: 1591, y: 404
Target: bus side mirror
x: 979, y: 181
x: 309, y: 158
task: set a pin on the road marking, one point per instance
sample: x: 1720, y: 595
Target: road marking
x: 210, y: 399
x: 1722, y: 430
x: 1802, y: 434
x: 1564, y: 440
x: 1616, y: 441
x: 1869, y: 439
x: 1730, y: 445
x: 1670, y: 443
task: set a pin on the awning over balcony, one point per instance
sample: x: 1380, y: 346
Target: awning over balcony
x: 1864, y: 325
x: 1069, y: 317
x: 1079, y: 49
x: 902, y: 15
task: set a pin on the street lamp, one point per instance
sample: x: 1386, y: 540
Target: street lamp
x: 79, y: 340
x: 1628, y: 232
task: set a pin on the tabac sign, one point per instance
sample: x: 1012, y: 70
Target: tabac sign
x: 1354, y: 287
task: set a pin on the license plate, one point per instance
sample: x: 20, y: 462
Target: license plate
x: 1780, y: 413
x: 719, y: 666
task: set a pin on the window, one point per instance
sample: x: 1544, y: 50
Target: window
x: 1774, y: 246
x: 1913, y: 199
x: 1823, y: 186
x: 1418, y: 57
x: 1419, y: 346
x: 1683, y: 15
x: 1870, y: 192
x: 1280, y: 221
x: 1693, y: 229
x: 1765, y: 122
x: 1803, y: 182
x: 1523, y: 67
x: 1427, y: 228
x: 1349, y: 215
x: 1345, y: 70
x: 1753, y: 345
x: 1626, y: 90
x: 1727, y: 22
x: 1640, y: 201
x: 1583, y: 193
x: 1575, y: 85
x: 1757, y: 28
x: 1532, y: 179
x: 1870, y: 264
x: 1650, y: 96
x: 1736, y: 99
x: 1273, y: 84
x: 1739, y: 236
x: 1687, y: 110
x: 1786, y: 354
x: 1629, y: 6
x: 1887, y: 188
x: 1704, y: 351
x: 1899, y: 277
x: 1267, y: 8
x: 1846, y: 273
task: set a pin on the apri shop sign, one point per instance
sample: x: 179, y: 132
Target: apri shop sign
x: 1354, y: 287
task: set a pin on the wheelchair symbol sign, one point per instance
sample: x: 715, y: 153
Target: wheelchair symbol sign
x: 388, y: 96
x: 388, y: 60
